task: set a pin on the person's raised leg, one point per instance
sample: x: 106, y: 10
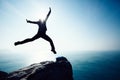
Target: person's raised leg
x: 47, y: 38
x: 26, y: 40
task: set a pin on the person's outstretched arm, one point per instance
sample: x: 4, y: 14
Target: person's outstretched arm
x: 48, y: 14
x: 34, y: 22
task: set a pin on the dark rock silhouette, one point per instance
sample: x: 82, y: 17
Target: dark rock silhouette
x: 48, y: 70
x: 3, y: 75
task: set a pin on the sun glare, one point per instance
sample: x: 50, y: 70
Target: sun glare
x: 39, y: 57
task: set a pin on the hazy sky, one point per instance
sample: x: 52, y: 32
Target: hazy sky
x: 74, y: 25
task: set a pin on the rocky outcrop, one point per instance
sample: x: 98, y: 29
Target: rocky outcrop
x: 3, y: 75
x: 48, y: 70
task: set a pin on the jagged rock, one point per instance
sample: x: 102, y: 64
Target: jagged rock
x: 48, y: 70
x: 3, y: 75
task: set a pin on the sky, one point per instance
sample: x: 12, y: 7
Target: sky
x: 74, y: 25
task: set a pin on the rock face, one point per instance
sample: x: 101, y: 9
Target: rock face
x: 48, y: 70
x: 3, y: 75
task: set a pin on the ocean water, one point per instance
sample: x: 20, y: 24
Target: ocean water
x: 96, y: 65
x: 86, y: 65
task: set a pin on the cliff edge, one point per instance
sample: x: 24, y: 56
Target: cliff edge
x: 48, y: 70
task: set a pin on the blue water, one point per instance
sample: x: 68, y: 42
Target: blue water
x: 86, y: 65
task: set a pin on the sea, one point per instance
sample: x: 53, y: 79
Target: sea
x: 87, y: 65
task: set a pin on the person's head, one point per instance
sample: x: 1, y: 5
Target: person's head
x: 40, y: 20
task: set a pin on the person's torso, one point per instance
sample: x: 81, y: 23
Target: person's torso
x: 42, y: 27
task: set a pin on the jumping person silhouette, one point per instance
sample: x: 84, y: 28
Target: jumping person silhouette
x: 40, y: 34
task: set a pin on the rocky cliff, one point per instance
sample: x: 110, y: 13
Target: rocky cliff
x: 48, y: 70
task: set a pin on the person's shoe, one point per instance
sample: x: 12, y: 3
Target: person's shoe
x: 16, y: 43
x: 54, y: 51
